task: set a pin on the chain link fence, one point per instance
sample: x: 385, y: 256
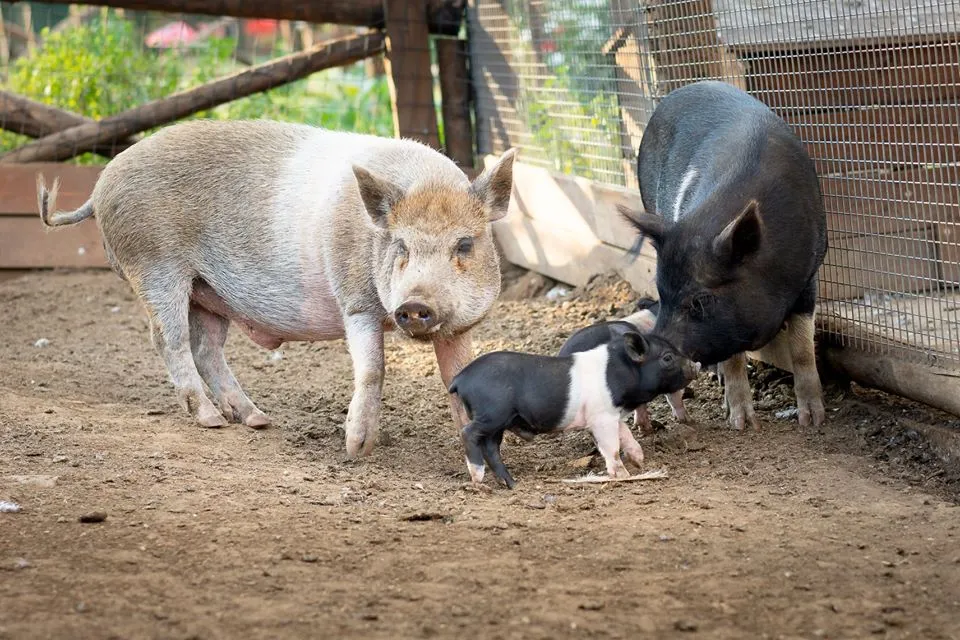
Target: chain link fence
x: 871, y: 86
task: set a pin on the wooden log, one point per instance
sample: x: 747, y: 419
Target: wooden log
x: 35, y: 119
x: 408, y: 72
x: 443, y: 15
x: 455, y: 94
x: 82, y: 138
x: 894, y: 374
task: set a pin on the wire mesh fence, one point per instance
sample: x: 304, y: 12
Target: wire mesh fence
x: 871, y: 86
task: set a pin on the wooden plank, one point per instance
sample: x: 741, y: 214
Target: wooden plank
x: 76, y: 140
x: 574, y: 204
x: 408, y: 71
x: 25, y: 244
x: 568, y: 256
x: 903, y: 263
x: 878, y: 203
x: 880, y: 137
x: 855, y: 76
x: 18, y: 184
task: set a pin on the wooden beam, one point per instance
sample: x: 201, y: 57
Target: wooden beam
x: 443, y: 15
x: 35, y: 119
x: 894, y: 373
x: 408, y: 71
x: 83, y: 138
x: 455, y: 94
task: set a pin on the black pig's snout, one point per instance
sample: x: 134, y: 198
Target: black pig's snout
x: 415, y: 318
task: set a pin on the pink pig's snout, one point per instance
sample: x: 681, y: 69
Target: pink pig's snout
x: 417, y: 319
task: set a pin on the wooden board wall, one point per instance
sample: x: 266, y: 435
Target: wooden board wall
x: 24, y: 243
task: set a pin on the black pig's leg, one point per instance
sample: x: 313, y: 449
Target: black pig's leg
x: 472, y: 436
x: 491, y: 452
x: 806, y: 380
x: 736, y: 393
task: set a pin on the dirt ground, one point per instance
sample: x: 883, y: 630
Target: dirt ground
x: 849, y: 531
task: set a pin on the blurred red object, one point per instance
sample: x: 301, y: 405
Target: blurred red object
x: 171, y: 35
x: 260, y: 27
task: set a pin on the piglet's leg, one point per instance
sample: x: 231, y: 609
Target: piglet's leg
x: 452, y: 356
x: 675, y: 400
x: 365, y: 342
x: 606, y: 432
x: 736, y: 393
x: 806, y: 381
x: 472, y: 435
x: 641, y: 418
x: 631, y: 448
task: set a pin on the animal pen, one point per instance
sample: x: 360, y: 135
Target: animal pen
x: 872, y: 87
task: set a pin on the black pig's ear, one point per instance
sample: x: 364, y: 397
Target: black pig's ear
x: 649, y: 225
x: 379, y: 195
x: 742, y: 237
x: 636, y: 346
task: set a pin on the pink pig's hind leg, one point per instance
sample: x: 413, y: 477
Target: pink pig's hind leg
x: 165, y: 292
x: 208, y: 333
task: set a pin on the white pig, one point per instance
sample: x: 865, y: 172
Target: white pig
x: 296, y: 234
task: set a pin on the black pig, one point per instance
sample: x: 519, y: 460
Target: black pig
x: 734, y: 210
x: 533, y: 394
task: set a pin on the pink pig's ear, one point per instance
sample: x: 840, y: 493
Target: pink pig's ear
x: 379, y: 195
x: 494, y: 186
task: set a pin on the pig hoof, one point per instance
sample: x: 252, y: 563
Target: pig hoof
x: 812, y: 413
x: 257, y: 420
x: 740, y: 419
x: 476, y: 472
x: 211, y: 418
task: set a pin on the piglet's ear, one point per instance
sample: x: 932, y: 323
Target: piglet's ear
x: 741, y: 238
x: 636, y: 346
x: 379, y: 195
x: 494, y: 185
x: 649, y: 225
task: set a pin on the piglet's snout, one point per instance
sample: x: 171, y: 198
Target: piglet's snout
x: 416, y: 318
x: 692, y: 370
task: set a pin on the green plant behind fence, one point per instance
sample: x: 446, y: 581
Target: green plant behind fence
x: 98, y: 70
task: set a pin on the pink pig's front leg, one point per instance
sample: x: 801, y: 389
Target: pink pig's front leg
x: 452, y: 356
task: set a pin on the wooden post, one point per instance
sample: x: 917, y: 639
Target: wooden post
x: 80, y: 139
x: 455, y: 96
x: 408, y: 71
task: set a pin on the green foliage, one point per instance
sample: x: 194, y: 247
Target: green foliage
x: 98, y: 70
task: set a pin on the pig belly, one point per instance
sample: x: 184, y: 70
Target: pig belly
x: 321, y: 320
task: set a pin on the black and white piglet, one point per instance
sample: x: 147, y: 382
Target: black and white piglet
x: 643, y: 320
x: 533, y: 394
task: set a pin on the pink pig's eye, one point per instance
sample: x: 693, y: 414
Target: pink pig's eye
x: 464, y: 246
